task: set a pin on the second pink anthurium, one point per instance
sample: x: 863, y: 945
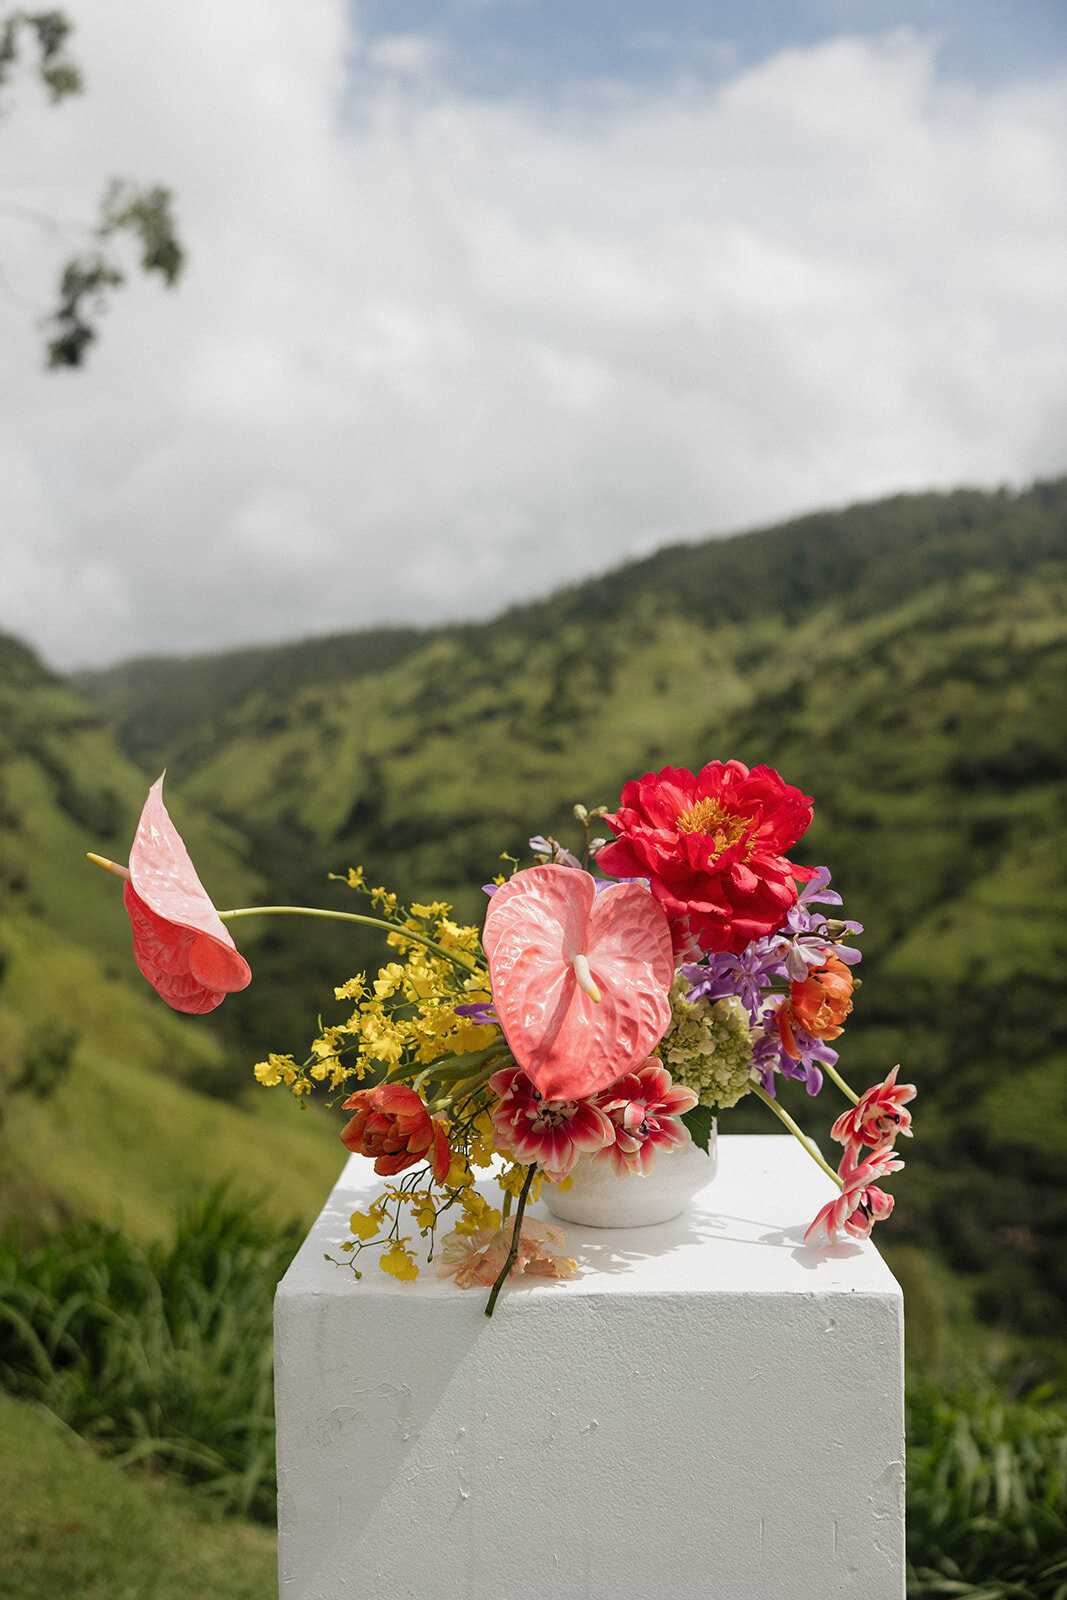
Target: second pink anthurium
x: 179, y: 942
x: 581, y: 981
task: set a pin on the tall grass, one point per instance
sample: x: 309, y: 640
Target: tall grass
x: 987, y: 1495
x: 160, y: 1355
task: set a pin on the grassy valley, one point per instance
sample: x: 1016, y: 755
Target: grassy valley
x: 904, y: 662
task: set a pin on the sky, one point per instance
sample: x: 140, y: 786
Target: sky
x: 486, y: 296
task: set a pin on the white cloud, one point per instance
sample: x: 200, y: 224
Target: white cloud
x: 405, y: 53
x: 453, y: 351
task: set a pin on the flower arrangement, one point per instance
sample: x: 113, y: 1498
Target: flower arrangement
x: 611, y: 1005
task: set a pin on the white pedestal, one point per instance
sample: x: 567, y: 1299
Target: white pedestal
x: 711, y: 1410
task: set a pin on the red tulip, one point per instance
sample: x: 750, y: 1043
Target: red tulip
x: 861, y: 1203
x: 880, y: 1115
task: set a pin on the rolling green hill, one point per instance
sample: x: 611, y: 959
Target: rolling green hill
x: 101, y: 1103
x: 904, y: 662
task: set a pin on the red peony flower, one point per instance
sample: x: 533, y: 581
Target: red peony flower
x: 712, y: 848
x: 819, y: 1005
x: 179, y: 942
x: 393, y: 1125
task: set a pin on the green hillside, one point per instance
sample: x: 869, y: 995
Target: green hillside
x: 78, y: 1526
x: 102, y: 1102
x: 903, y: 662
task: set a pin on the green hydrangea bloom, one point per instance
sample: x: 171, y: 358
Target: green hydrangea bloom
x: 708, y: 1047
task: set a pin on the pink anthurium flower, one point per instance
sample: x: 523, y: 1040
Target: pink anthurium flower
x: 179, y: 942
x: 581, y: 981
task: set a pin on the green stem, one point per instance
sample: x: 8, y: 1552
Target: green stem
x: 513, y: 1252
x: 462, y: 1091
x: 797, y: 1132
x: 452, y: 1068
x: 841, y: 1084
x: 454, y: 956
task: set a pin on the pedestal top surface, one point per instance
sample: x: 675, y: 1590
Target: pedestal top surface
x: 742, y: 1234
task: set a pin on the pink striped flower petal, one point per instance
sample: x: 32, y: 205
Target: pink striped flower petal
x: 861, y: 1203
x: 179, y: 942
x: 538, y: 923
x: 646, y: 1108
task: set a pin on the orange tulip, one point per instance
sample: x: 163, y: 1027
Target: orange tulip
x: 819, y: 1005
x: 392, y: 1124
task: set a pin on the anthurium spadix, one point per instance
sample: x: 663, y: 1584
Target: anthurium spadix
x: 179, y: 942
x: 580, y: 980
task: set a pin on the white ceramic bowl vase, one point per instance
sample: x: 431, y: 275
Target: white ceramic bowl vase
x: 599, y: 1197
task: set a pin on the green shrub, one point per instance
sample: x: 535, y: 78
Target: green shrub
x: 159, y: 1355
x: 987, y: 1495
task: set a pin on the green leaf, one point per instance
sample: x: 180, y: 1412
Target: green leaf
x: 699, y: 1122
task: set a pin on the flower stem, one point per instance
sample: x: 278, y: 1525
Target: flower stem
x: 797, y: 1132
x: 450, y: 1068
x: 456, y: 958
x: 841, y: 1084
x: 459, y: 1091
x: 513, y: 1252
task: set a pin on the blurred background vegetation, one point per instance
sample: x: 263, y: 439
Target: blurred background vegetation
x: 903, y: 662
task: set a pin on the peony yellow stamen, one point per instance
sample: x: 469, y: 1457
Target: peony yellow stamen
x: 710, y: 817
x: 585, y: 978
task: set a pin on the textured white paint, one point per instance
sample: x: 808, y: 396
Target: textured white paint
x: 711, y: 1411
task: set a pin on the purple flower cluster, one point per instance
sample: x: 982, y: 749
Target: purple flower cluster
x: 805, y: 940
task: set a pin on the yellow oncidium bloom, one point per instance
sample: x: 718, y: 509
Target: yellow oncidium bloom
x: 480, y: 1140
x: 512, y: 1179
x: 459, y: 1173
x: 477, y: 1213
x: 365, y: 1225
x: 352, y: 989
x: 276, y: 1069
x: 452, y: 937
x: 405, y: 1017
x: 399, y: 1262
x: 389, y: 979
